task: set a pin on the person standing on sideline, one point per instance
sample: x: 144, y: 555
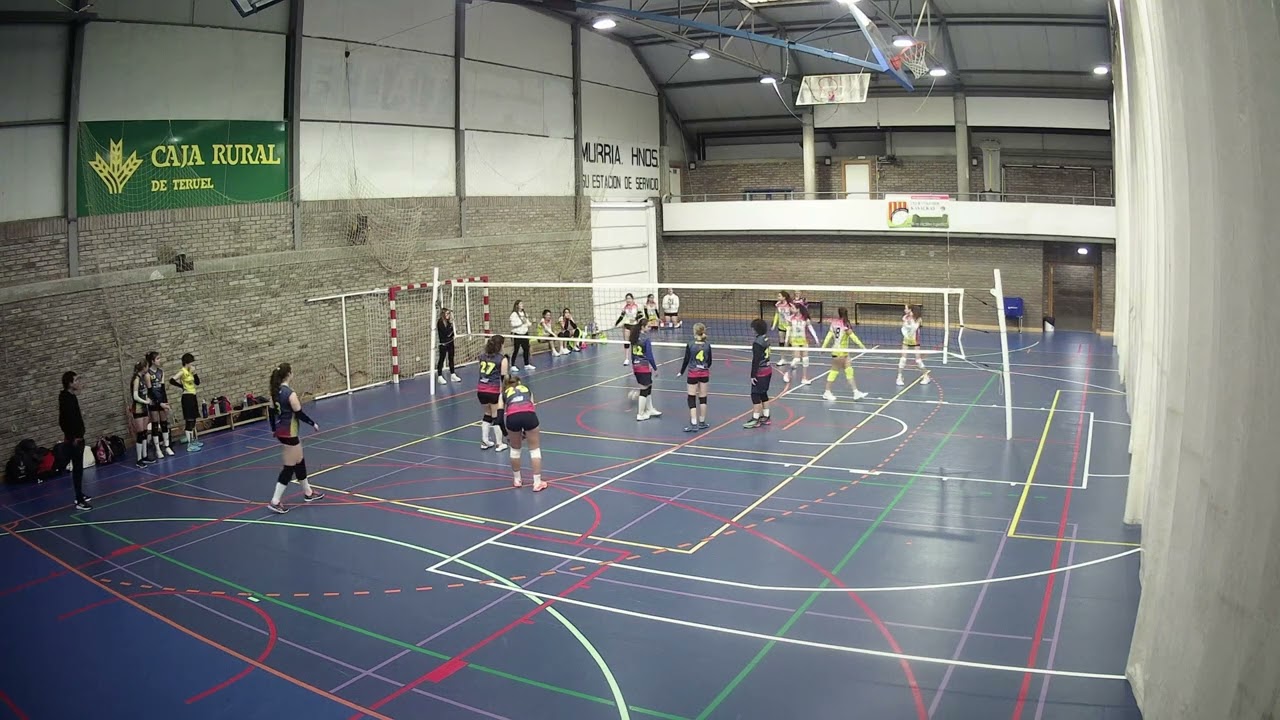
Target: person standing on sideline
x: 671, y: 309
x: 189, y: 381
x: 520, y: 327
x: 444, y: 338
x: 72, y: 424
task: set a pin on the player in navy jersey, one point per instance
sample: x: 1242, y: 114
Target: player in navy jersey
x: 522, y: 427
x: 159, y: 409
x: 697, y: 363
x: 643, y: 367
x: 761, y: 375
x: 494, y: 366
x: 139, y: 405
x: 285, y: 414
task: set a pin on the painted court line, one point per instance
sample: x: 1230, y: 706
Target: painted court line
x: 790, y: 588
x: 805, y: 643
x: 1035, y: 464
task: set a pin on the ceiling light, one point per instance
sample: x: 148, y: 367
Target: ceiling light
x: 604, y: 23
x: 1082, y: 251
x: 768, y: 80
x: 1101, y: 70
x: 903, y: 41
x: 699, y: 54
x: 938, y: 72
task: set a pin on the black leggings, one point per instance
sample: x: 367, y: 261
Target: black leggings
x: 520, y: 342
x: 445, y: 351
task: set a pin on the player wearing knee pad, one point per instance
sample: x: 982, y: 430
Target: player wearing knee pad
x: 839, y: 338
x: 286, y: 415
x: 522, y: 427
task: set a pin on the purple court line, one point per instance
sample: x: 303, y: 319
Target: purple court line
x: 261, y: 631
x: 813, y: 613
x: 1057, y: 624
x: 500, y: 598
x: 968, y: 627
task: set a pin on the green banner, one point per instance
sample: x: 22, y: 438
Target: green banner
x: 140, y: 165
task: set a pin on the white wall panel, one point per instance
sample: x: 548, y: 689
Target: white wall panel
x: 33, y: 72
x: 425, y: 25
x: 386, y: 85
x: 152, y: 72
x: 518, y: 37
x: 1039, y: 113
x: 610, y: 62
x: 499, y: 164
x: 36, y: 191
x: 504, y: 99
x: 609, y: 112
x: 346, y: 161
x: 889, y: 112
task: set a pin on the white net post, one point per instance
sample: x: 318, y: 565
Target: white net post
x: 433, y: 334
x: 353, y: 307
x: 998, y: 292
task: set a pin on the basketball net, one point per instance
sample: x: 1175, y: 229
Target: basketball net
x: 913, y: 58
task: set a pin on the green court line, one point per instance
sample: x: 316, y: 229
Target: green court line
x: 813, y: 597
x: 623, y: 708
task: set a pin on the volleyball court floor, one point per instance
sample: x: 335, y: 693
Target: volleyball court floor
x: 850, y: 560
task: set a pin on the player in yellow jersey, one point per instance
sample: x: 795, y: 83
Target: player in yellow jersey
x: 189, y: 381
x: 911, y: 321
x: 839, y: 338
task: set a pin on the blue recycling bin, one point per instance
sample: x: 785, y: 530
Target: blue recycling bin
x: 1013, y: 310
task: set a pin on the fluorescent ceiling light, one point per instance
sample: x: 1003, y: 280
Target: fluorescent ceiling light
x: 937, y: 72
x: 768, y: 80
x: 903, y: 41
x: 699, y: 54
x: 604, y: 23
x: 1082, y: 251
x: 1101, y: 70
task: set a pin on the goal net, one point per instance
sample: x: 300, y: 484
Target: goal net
x: 600, y: 310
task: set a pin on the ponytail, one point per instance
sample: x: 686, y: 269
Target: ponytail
x: 844, y: 315
x: 635, y: 334
x: 278, y: 375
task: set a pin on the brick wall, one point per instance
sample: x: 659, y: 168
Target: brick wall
x: 862, y: 261
x: 727, y: 177
x: 143, y: 239
x: 913, y: 174
x: 918, y: 174
x: 1107, y: 295
x: 330, y: 223
x: 33, y: 251
x: 1060, y: 185
x: 243, y: 313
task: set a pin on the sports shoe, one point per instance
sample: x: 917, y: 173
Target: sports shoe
x: 315, y: 495
x: 925, y: 380
x: 168, y: 451
x: 829, y: 396
x: 83, y: 505
x: 899, y: 381
x: 194, y: 447
x: 501, y: 446
x: 691, y: 428
x: 703, y: 426
x: 859, y: 394
x: 454, y: 377
x: 277, y: 509
x: 440, y: 379
x: 752, y: 423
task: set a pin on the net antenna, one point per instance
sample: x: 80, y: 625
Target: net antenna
x: 998, y: 292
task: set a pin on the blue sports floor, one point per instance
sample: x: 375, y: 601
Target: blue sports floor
x: 850, y: 560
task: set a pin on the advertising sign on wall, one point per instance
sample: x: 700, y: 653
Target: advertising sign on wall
x: 614, y: 169
x: 139, y: 165
x: 918, y: 211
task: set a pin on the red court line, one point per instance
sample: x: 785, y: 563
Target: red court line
x: 202, y: 638
x: 458, y: 662
x: 1034, y: 654
x: 793, y: 423
x: 272, y: 633
x: 17, y: 711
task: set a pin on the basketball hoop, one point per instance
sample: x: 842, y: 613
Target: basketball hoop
x: 914, y: 58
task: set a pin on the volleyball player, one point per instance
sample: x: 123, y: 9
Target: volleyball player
x: 493, y: 367
x: 761, y: 374
x: 139, y: 411
x: 839, y: 337
x: 522, y: 426
x: 159, y: 404
x: 570, y: 331
x: 285, y: 414
x: 643, y: 367
x: 547, y: 329
x: 697, y: 361
x: 798, y: 331
x: 627, y: 319
x: 651, y: 316
x: 671, y: 309
x: 187, y: 379
x: 784, y: 308
x: 911, y: 321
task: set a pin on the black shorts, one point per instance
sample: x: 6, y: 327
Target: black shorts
x: 690, y: 380
x: 487, y: 398
x: 289, y: 440
x: 190, y: 407
x: 761, y: 385
x: 139, y: 415
x: 667, y: 314
x: 644, y: 379
x: 522, y: 422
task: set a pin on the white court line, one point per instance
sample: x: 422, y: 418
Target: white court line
x: 864, y: 471
x: 793, y: 641
x: 1088, y: 454
x: 1114, y: 422
x: 828, y: 589
x: 1101, y: 475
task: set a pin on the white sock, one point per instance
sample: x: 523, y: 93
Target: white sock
x: 155, y: 440
x: 515, y: 475
x: 279, y: 493
x: 306, y: 487
x: 537, y: 478
x: 755, y: 416
x: 766, y: 412
x: 141, y: 449
x: 485, y: 427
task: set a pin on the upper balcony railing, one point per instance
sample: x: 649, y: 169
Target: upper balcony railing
x: 791, y: 194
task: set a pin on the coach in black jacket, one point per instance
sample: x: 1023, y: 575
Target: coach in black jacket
x: 72, y: 424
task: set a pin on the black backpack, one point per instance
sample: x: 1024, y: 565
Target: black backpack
x: 23, y: 466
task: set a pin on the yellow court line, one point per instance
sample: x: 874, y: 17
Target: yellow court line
x: 1076, y: 540
x: 1035, y: 463
x: 811, y: 462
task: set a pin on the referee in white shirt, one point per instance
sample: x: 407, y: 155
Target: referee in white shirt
x: 671, y: 309
x: 520, y: 326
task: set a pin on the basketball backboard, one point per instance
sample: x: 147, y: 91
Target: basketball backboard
x: 249, y: 7
x: 833, y: 89
x: 881, y: 48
